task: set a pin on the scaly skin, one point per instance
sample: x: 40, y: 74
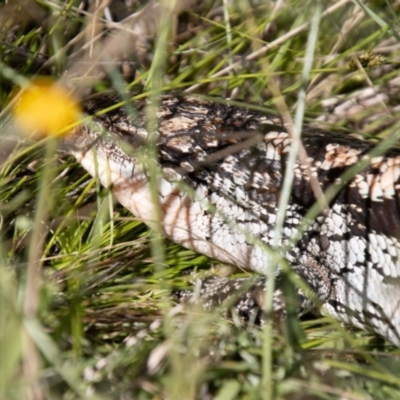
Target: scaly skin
x: 233, y: 161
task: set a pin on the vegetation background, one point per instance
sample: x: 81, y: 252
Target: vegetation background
x: 84, y: 313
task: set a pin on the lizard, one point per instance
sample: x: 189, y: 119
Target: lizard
x: 221, y: 173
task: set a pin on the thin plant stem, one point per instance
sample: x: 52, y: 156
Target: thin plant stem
x: 267, y: 378
x: 34, y: 269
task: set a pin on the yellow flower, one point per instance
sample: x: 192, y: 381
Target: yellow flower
x: 45, y: 108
